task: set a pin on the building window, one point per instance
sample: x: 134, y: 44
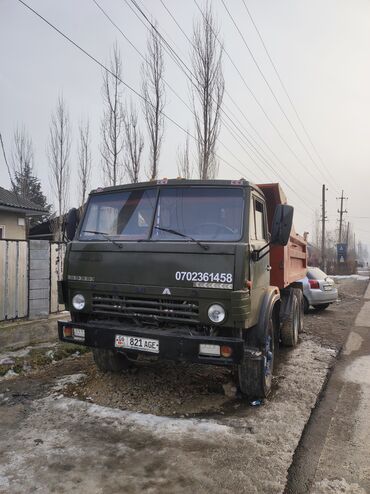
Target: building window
x: 2, y: 231
x: 21, y: 221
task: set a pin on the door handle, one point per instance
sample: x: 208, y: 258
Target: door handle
x: 268, y: 268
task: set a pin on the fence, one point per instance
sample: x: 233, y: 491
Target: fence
x: 29, y: 271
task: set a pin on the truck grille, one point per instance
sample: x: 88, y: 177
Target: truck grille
x: 146, y: 308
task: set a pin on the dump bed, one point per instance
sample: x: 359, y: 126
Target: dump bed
x: 289, y: 263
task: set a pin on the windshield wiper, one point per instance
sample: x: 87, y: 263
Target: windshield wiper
x: 174, y: 232
x: 105, y: 235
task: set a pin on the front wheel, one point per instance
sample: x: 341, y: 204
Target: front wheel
x: 255, y: 374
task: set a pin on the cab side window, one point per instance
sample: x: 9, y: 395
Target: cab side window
x: 258, y: 223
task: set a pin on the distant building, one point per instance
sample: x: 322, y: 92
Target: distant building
x: 14, y: 211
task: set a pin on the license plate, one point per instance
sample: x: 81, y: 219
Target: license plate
x: 327, y: 288
x: 137, y: 343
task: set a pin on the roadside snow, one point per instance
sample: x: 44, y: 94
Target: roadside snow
x: 160, y: 426
x: 357, y: 277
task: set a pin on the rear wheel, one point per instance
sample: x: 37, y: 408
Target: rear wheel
x: 293, y: 325
x: 321, y: 307
x: 255, y: 374
x: 108, y: 360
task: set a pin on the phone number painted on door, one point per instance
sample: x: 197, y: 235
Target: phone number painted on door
x: 206, y: 277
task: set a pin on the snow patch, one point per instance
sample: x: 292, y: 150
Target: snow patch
x: 160, y: 426
x: 359, y: 371
x: 64, y: 381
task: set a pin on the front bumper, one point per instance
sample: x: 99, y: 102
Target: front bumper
x: 173, y: 344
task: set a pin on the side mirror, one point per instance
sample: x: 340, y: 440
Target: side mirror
x: 282, y: 224
x: 71, y: 223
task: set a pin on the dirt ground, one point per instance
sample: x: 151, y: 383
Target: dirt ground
x: 164, y: 427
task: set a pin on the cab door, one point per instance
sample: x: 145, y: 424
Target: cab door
x: 259, y: 269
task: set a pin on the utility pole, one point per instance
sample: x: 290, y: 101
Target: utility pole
x: 323, y: 220
x: 341, y: 211
x: 354, y: 245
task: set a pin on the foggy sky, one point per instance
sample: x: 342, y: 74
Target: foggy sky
x: 320, y: 47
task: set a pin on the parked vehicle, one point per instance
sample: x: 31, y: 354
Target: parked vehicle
x: 318, y: 290
x: 186, y: 270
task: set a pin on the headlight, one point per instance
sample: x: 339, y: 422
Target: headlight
x: 216, y: 313
x: 78, y: 301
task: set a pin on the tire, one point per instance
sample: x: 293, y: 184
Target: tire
x: 293, y: 325
x: 306, y: 306
x: 255, y: 375
x: 110, y: 360
x: 320, y: 307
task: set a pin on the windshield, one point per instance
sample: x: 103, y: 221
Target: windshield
x: 191, y: 213
x: 120, y: 215
x: 201, y: 213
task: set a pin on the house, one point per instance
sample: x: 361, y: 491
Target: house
x: 14, y: 211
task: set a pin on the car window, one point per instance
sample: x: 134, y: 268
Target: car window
x: 258, y: 226
x: 316, y: 274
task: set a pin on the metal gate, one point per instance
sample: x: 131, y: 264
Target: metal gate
x: 13, y: 279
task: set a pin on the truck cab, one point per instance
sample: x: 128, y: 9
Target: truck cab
x: 179, y: 269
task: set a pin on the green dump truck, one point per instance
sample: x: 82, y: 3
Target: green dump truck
x: 188, y: 270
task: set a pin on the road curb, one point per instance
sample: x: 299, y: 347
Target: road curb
x: 21, y: 333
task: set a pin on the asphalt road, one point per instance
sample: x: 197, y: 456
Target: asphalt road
x: 334, y: 453
x: 54, y: 437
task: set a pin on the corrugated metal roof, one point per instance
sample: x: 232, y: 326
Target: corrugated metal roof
x: 12, y: 200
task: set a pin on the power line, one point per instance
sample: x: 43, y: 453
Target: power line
x: 182, y: 65
x: 118, y: 78
x: 286, y: 92
x: 167, y: 84
x: 269, y: 86
x: 270, y: 120
x: 260, y: 106
x: 250, y: 144
x: 91, y: 57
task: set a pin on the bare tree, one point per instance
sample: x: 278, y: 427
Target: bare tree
x: 59, y: 148
x: 22, y: 158
x: 84, y: 160
x: 183, y: 160
x: 153, y: 91
x: 112, y: 121
x: 208, y: 92
x: 134, y: 145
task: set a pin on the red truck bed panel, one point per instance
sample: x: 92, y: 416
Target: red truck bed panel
x: 289, y: 263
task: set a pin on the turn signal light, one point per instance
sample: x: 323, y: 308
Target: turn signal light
x: 226, y: 351
x: 67, y: 332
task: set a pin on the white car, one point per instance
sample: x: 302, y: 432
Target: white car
x: 318, y: 290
